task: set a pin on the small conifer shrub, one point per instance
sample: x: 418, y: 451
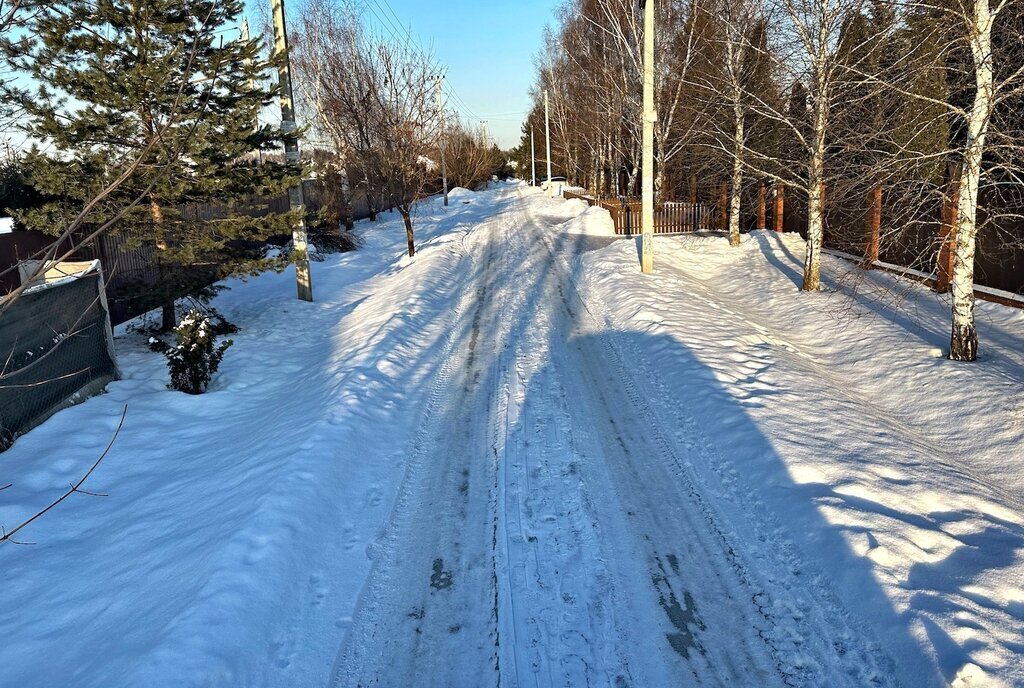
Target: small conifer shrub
x: 194, y: 360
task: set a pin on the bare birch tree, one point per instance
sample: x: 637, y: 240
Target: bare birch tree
x: 741, y: 26
x: 996, y: 83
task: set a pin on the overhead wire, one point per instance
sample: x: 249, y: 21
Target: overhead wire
x: 404, y: 35
x: 393, y: 25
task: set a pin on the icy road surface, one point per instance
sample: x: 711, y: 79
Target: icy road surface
x: 514, y: 460
x: 547, y: 532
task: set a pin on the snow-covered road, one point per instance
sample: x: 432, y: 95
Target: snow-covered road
x: 514, y: 460
x: 547, y: 532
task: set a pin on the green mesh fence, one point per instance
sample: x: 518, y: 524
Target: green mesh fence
x: 55, y: 350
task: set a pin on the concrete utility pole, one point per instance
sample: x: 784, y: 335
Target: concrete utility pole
x: 296, y: 201
x: 547, y: 136
x: 650, y: 117
x: 533, y: 159
x: 444, y: 168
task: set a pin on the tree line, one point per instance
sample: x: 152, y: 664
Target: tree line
x: 839, y: 106
x: 376, y: 106
x: 136, y: 109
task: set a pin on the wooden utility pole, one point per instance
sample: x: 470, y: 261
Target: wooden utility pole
x: 533, y: 159
x: 650, y: 117
x: 296, y: 201
x: 444, y: 168
x: 547, y: 137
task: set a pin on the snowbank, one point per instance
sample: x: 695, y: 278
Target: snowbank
x: 233, y: 543
x: 593, y: 221
x: 574, y: 207
x: 556, y: 209
x: 460, y: 193
x: 847, y: 446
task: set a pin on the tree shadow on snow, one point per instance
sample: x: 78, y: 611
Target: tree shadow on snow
x: 616, y: 458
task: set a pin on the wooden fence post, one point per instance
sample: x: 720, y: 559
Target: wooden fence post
x: 694, y: 208
x: 780, y: 205
x: 723, y: 207
x: 762, y: 220
x: 874, y: 226
x: 947, y: 235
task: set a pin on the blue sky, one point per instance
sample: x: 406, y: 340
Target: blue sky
x: 487, y: 45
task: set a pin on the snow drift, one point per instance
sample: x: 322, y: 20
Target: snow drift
x: 592, y: 221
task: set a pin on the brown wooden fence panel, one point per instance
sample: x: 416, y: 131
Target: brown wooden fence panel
x: 16, y: 247
x: 671, y: 218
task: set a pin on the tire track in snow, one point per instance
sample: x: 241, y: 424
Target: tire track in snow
x: 547, y: 532
x: 427, y: 617
x: 701, y: 606
x: 558, y: 626
x: 811, y: 638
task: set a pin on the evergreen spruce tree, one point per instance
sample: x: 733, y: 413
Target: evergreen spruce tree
x: 921, y: 125
x: 164, y: 81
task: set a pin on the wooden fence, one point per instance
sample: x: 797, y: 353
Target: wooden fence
x: 670, y: 218
x: 858, y: 221
x: 14, y: 248
x: 130, y: 265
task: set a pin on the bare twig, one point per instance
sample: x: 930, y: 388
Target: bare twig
x: 9, y: 536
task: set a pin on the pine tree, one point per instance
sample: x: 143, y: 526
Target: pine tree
x: 164, y: 82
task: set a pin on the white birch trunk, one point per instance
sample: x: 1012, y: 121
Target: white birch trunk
x: 964, y: 336
x: 737, y: 176
x: 815, y: 204
x: 659, y: 175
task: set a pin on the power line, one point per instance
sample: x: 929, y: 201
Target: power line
x: 406, y: 37
x: 407, y: 32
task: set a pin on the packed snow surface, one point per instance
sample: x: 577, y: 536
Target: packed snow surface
x: 514, y: 460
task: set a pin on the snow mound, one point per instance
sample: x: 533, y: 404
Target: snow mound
x: 460, y: 192
x: 566, y: 209
x: 575, y: 207
x: 593, y: 221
